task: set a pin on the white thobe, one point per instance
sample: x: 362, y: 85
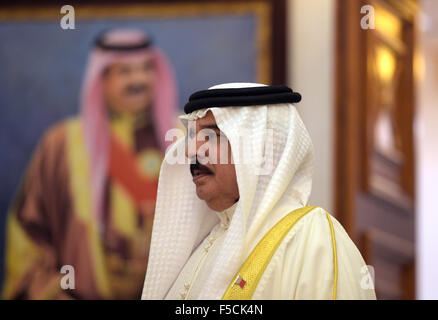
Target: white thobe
x: 189, y: 283
x: 302, y: 267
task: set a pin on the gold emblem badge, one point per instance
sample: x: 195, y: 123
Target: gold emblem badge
x: 150, y: 162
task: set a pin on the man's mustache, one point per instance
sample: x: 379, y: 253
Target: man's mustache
x: 200, y: 167
x: 133, y: 89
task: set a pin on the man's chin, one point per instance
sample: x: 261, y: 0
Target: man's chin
x: 135, y: 109
x: 134, y: 105
x: 129, y: 110
x: 203, y: 193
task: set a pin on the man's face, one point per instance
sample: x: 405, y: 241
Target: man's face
x: 215, y: 182
x: 128, y: 86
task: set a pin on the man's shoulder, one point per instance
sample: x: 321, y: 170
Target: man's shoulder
x: 53, y: 141
x: 319, y: 221
x: 56, y: 133
x: 313, y: 217
x: 311, y: 212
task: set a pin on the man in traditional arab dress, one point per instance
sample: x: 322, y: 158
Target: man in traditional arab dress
x: 242, y: 228
x: 87, y: 200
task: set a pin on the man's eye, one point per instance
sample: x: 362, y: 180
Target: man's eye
x: 211, y: 135
x: 124, y: 70
x: 148, y: 66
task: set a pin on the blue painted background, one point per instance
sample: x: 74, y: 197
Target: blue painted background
x: 42, y: 65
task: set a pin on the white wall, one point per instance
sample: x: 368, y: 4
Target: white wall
x: 311, y: 36
x: 427, y: 159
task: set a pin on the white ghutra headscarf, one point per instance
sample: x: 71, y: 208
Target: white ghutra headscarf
x: 182, y: 220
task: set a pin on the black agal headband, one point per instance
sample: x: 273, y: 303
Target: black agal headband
x: 235, y: 97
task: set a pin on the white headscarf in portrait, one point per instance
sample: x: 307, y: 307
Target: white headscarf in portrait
x: 182, y: 220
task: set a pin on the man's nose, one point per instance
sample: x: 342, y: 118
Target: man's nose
x: 192, y: 148
x: 137, y: 78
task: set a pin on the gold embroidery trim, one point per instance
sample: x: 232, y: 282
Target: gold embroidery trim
x: 255, y: 265
x: 335, y: 258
